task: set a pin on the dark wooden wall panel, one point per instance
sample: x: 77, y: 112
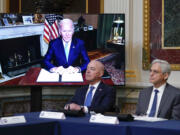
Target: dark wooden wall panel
x: 93, y: 6
x: 14, y: 6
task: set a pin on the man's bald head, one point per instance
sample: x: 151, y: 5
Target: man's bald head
x: 95, y: 71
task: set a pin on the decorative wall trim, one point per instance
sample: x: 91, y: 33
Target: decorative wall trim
x: 147, y: 41
x: 101, y: 6
x: 146, y: 35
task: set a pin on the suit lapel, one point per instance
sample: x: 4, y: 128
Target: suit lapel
x: 98, y: 93
x: 84, y: 93
x: 62, y: 51
x: 164, y: 98
x: 71, y: 52
x: 147, y: 97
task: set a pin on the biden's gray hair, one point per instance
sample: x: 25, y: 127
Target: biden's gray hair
x: 66, y: 20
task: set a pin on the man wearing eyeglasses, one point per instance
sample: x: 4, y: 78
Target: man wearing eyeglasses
x: 162, y: 99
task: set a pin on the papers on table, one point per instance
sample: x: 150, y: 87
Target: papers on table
x: 46, y: 76
x: 146, y: 118
x: 75, y: 77
x: 99, y: 118
x: 52, y: 115
x: 12, y: 120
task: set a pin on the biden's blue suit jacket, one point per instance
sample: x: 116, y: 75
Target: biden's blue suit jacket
x: 103, y: 100
x: 78, y: 56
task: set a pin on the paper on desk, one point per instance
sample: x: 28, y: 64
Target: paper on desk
x: 73, y: 77
x: 146, y: 118
x: 46, y: 76
x: 99, y: 118
x: 52, y: 115
x: 12, y: 120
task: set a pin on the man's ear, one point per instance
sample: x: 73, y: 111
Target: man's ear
x: 166, y: 75
x: 101, y: 74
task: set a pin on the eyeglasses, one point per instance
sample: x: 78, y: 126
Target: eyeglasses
x: 155, y: 71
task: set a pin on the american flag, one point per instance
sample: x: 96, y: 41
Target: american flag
x: 51, y: 27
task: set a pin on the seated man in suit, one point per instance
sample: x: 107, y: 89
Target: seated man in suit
x: 96, y: 96
x: 162, y: 99
x: 68, y: 53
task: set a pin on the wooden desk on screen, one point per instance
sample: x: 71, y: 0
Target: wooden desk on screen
x: 36, y: 87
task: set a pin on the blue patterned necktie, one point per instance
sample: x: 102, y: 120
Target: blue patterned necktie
x: 66, y: 51
x: 153, y: 109
x: 89, y: 97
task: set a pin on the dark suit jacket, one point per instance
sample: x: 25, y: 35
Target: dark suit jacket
x: 77, y: 55
x: 169, y: 107
x: 103, y: 100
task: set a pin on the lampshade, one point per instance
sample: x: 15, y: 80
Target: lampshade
x: 117, y: 31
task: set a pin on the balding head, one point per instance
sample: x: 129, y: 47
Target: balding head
x: 94, y: 72
x: 99, y: 65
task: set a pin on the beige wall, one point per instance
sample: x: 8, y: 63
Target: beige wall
x: 133, y: 10
x: 3, y: 6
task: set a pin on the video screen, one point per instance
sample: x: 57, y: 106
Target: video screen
x: 33, y: 44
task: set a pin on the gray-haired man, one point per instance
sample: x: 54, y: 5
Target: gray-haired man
x: 162, y: 99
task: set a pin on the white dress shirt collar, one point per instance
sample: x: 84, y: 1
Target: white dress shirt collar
x: 95, y: 85
x: 65, y: 43
x: 94, y: 90
x: 161, y: 88
x: 160, y: 93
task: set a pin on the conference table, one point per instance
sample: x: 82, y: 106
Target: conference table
x: 82, y: 126
x: 30, y: 79
x: 33, y: 126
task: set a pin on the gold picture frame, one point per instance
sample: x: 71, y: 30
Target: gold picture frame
x: 146, y: 60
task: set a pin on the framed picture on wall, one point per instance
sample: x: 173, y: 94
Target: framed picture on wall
x: 161, y: 32
x: 27, y: 20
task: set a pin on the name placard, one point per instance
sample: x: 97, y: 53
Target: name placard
x: 12, y: 120
x: 99, y: 118
x: 149, y: 119
x: 52, y: 115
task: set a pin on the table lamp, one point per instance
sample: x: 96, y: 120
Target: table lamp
x: 117, y: 31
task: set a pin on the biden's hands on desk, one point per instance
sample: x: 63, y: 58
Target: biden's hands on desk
x: 72, y: 70
x: 60, y: 70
